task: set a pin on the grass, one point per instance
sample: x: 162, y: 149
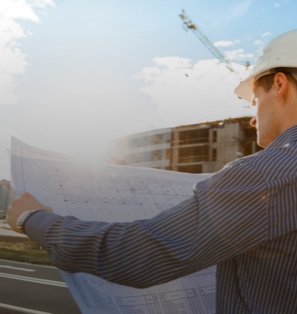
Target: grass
x: 22, y: 249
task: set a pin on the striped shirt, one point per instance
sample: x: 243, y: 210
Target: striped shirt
x: 242, y: 219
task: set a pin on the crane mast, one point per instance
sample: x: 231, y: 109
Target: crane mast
x: 188, y: 24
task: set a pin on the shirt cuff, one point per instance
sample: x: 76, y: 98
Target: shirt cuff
x: 36, y: 224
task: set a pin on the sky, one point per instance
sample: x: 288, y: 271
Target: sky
x: 74, y: 75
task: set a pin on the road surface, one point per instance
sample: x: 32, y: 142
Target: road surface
x: 27, y: 288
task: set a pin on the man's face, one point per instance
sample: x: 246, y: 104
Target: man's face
x: 266, y: 118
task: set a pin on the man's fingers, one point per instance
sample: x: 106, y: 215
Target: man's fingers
x: 28, y: 198
x: 22, y: 204
x: 28, y: 201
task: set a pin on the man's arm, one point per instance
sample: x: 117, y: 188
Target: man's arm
x: 225, y: 217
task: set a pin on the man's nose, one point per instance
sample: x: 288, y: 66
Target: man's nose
x: 253, y: 122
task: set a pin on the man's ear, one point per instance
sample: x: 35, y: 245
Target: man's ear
x: 280, y: 84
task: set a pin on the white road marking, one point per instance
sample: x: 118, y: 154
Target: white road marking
x: 34, y: 280
x: 27, y: 264
x: 21, y: 309
x: 17, y: 268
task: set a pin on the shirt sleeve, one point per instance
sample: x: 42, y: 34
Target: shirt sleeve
x: 226, y: 216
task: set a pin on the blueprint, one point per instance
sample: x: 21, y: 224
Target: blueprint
x: 111, y: 193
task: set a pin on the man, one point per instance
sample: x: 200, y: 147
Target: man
x: 242, y: 219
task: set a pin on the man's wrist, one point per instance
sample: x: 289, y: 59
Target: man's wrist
x: 22, y: 218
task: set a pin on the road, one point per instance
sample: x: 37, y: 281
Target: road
x: 27, y: 288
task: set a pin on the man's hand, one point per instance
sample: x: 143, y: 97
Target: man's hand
x: 20, y: 205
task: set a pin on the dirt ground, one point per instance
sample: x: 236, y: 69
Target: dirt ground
x: 22, y: 249
x: 14, y: 242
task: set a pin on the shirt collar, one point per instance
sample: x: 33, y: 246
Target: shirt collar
x: 287, y: 137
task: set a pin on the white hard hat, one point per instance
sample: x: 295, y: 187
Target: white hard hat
x: 279, y: 52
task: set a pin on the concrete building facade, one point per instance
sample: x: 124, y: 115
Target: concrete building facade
x: 150, y: 149
x: 195, y: 148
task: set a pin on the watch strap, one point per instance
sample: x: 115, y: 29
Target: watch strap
x: 22, y: 218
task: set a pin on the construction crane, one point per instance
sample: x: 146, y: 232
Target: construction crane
x: 188, y: 24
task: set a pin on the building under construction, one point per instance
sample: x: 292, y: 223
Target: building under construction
x: 194, y: 148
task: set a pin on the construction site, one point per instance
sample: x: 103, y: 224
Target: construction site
x: 195, y: 148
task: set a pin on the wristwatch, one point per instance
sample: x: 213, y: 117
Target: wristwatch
x: 21, y: 219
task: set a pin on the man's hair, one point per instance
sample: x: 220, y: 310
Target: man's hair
x: 266, y: 81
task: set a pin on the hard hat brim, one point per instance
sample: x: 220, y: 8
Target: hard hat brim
x: 245, y: 89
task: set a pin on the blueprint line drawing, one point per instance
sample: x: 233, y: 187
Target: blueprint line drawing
x: 107, y: 192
